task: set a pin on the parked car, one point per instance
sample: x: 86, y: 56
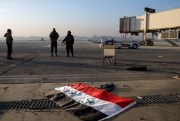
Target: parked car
x: 131, y: 44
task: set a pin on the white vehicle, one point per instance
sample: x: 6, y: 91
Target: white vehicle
x: 131, y: 44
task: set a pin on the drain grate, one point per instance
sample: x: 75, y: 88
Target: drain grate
x: 48, y: 104
x: 157, y: 99
x: 28, y: 104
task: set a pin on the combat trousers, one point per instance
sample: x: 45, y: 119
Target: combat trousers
x: 53, y: 45
x: 69, y: 48
x: 9, y: 50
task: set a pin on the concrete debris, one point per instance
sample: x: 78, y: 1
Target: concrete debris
x: 138, y: 68
x: 108, y: 87
x: 176, y: 77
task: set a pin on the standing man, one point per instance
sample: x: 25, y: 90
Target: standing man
x: 69, y: 41
x: 9, y: 42
x: 54, y: 37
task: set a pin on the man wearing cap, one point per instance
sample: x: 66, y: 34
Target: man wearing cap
x: 69, y: 41
x: 53, y: 37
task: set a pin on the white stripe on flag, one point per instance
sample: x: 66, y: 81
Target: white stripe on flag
x: 103, y: 106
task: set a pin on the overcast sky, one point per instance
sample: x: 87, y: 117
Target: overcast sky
x: 82, y: 17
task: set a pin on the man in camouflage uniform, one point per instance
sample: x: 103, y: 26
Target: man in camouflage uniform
x: 69, y: 41
x: 54, y: 37
x: 9, y: 42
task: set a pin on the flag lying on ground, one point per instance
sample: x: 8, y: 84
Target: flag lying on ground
x: 90, y: 104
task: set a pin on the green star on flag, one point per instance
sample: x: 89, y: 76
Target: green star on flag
x: 89, y: 101
x: 73, y: 93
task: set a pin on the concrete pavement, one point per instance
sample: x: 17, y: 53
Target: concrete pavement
x: 33, y: 72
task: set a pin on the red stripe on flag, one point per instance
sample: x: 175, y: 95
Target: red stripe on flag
x: 102, y: 94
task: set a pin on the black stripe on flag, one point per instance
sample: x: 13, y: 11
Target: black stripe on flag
x: 84, y: 112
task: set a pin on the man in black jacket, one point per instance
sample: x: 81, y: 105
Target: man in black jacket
x: 54, y: 36
x: 9, y: 42
x: 69, y: 41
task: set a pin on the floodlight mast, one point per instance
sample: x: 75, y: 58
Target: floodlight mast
x: 146, y: 11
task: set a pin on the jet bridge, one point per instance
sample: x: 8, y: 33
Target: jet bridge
x: 165, y: 24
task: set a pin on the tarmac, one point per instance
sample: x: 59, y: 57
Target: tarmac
x: 34, y: 72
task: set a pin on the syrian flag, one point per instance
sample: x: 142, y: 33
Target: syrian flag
x: 90, y: 104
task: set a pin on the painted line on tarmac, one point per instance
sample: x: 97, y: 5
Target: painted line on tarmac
x: 37, y: 77
x: 6, y: 71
